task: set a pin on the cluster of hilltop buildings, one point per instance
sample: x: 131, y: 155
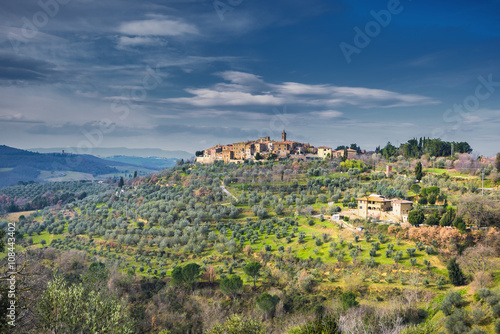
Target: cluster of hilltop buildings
x: 264, y: 148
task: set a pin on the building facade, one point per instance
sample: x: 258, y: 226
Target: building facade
x: 375, y: 205
x: 324, y: 152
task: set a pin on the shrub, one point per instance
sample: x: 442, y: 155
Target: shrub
x: 322, y: 324
x: 482, y: 294
x: 424, y: 328
x: 497, y: 326
x: 382, y: 238
x: 267, y: 303
x: 495, y: 309
x: 458, y: 322
x: 493, y: 300
x: 451, y: 300
x: 398, y: 256
x: 348, y: 300
x: 440, y: 283
x: 425, y: 282
x: 411, y: 252
x: 478, y: 315
x: 237, y: 325
x: 371, y: 262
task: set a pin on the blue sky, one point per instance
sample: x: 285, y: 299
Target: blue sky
x: 189, y: 74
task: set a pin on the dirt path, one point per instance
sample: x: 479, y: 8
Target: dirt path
x: 223, y: 187
x: 344, y: 225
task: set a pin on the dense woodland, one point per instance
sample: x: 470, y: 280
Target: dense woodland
x: 415, y: 148
x: 175, y: 253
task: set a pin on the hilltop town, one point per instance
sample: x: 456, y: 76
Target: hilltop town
x: 265, y: 148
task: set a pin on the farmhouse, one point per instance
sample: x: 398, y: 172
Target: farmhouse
x: 401, y: 208
x: 375, y: 205
x: 351, y: 154
x: 324, y: 152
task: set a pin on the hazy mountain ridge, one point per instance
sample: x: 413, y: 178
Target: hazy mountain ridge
x: 148, y: 162
x: 22, y: 165
x: 105, y: 152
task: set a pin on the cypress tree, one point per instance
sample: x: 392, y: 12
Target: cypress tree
x: 418, y: 171
x: 455, y: 273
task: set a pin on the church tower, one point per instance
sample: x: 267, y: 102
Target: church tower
x: 283, y: 135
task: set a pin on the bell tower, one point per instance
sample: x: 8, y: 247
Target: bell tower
x: 283, y: 135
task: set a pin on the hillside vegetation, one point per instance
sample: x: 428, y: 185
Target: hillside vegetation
x: 21, y: 166
x: 253, y: 248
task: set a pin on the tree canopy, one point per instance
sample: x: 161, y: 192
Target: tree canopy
x: 231, y: 286
x: 252, y: 269
x: 416, y: 217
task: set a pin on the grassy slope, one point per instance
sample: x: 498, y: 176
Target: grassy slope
x: 302, y: 250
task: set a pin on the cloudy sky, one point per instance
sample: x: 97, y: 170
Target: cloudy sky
x: 188, y: 74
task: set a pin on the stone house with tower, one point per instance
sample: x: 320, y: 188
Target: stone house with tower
x: 377, y: 205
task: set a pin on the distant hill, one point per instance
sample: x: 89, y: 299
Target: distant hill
x: 150, y: 162
x: 105, y: 152
x: 21, y: 165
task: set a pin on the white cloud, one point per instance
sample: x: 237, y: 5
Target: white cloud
x: 249, y: 89
x: 157, y: 27
x: 241, y: 78
x: 11, y: 117
x: 125, y: 41
x: 210, y: 98
x: 356, y: 96
x: 207, y: 113
x: 472, y: 119
x: 294, y: 88
x: 327, y: 114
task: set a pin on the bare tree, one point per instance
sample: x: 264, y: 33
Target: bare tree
x: 480, y: 261
x: 31, y: 278
x: 479, y: 210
